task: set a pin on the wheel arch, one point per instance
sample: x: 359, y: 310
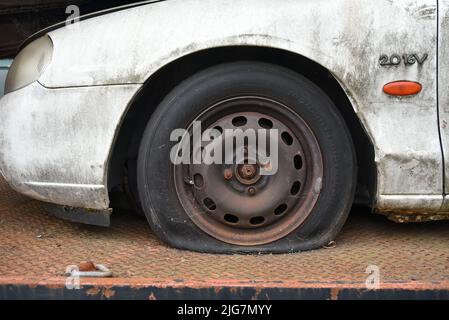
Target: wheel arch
x: 122, y: 160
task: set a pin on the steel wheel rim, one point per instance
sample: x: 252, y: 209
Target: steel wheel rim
x: 226, y: 208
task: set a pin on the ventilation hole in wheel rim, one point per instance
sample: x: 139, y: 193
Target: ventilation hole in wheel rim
x: 231, y: 218
x: 199, y: 153
x: 219, y: 129
x: 239, y: 121
x: 265, y: 123
x: 287, y: 138
x: 210, y: 204
x: 281, y: 209
x: 295, y: 188
x: 198, y: 180
x: 257, y: 220
x: 298, y: 162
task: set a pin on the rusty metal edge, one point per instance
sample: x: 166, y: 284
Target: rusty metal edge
x: 16, y: 288
x: 101, y: 218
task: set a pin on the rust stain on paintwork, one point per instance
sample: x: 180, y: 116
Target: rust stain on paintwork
x: 334, y: 293
x: 108, y: 293
x: 152, y: 297
x: 412, y: 217
x: 95, y: 291
x: 100, y: 291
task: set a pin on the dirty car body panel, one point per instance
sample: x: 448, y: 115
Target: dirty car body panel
x: 57, y: 134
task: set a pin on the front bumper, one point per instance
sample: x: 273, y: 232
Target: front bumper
x: 55, y: 143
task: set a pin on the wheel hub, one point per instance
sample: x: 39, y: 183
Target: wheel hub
x: 247, y: 171
x: 248, y: 174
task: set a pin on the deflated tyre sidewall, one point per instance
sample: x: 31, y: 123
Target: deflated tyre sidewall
x: 155, y: 175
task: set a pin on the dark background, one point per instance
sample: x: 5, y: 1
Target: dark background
x: 19, y: 19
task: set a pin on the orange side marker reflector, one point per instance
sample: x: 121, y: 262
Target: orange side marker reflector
x: 402, y: 88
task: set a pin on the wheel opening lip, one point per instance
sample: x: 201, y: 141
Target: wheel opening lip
x: 291, y: 220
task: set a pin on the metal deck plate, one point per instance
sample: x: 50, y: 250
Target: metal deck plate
x: 36, y: 248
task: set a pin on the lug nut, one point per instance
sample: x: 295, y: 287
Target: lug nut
x: 228, y: 174
x: 252, y: 191
x: 268, y: 167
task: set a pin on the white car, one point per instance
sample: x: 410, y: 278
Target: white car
x: 356, y: 91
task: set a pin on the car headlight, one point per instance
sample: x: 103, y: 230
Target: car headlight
x: 29, y: 64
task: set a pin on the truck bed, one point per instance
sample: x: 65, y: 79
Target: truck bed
x: 36, y: 248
